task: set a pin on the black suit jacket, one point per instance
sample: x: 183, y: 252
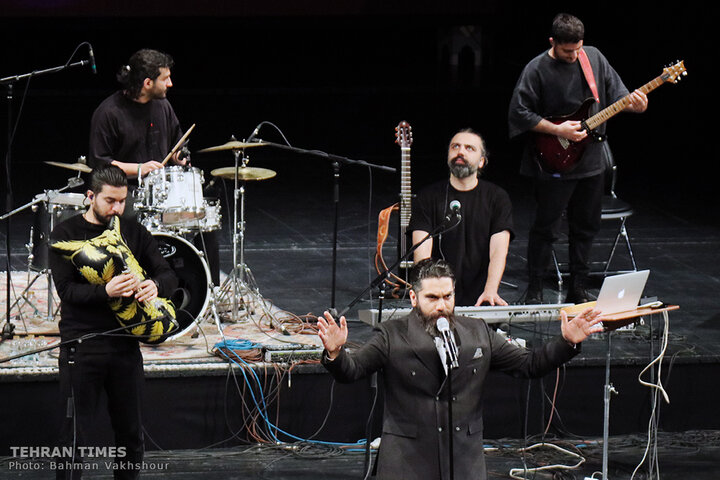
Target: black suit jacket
x: 414, y: 438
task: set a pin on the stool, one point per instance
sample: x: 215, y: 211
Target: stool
x: 612, y: 209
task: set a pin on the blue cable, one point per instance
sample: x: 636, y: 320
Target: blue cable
x: 241, y: 344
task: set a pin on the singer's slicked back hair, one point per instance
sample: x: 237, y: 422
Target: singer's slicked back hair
x: 107, y: 175
x: 429, y: 268
x: 145, y: 63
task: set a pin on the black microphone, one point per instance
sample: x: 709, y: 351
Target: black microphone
x: 454, y: 211
x: 254, y: 133
x: 455, y: 208
x: 448, y: 338
x: 92, y: 59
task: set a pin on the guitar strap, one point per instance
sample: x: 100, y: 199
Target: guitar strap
x: 587, y: 71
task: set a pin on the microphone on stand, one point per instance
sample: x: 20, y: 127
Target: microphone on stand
x: 254, y: 134
x: 451, y: 350
x: 454, y: 211
x: 93, y: 66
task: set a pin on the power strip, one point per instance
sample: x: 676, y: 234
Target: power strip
x: 288, y: 356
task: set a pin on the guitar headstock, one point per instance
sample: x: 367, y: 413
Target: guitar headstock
x: 403, y: 134
x: 674, y: 73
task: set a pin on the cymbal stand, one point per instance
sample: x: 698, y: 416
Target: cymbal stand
x: 243, y: 286
x: 235, y: 283
x: 46, y: 197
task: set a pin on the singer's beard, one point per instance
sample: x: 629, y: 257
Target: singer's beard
x: 429, y: 321
x: 462, y: 170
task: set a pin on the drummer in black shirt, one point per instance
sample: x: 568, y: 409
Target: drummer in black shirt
x: 136, y: 127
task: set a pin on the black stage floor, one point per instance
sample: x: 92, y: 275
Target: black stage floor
x: 687, y: 455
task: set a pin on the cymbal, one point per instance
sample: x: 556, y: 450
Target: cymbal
x: 244, y: 173
x: 232, y: 145
x: 78, y: 167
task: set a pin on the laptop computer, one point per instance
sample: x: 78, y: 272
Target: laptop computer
x: 621, y: 293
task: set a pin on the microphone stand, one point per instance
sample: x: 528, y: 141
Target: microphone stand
x: 81, y: 339
x: 9, y: 82
x: 451, y: 457
x: 336, y: 161
x: 378, y: 280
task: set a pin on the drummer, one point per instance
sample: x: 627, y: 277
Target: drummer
x: 135, y: 128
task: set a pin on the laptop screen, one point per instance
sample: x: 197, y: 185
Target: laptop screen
x: 621, y: 293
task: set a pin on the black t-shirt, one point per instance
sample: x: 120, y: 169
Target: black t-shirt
x: 127, y: 131
x: 84, y: 307
x: 485, y: 210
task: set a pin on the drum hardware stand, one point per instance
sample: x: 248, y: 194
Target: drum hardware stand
x: 241, y: 282
x: 46, y: 197
x: 214, y: 312
x: 237, y: 280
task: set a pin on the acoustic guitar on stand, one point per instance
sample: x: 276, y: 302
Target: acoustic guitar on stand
x: 560, y: 155
x: 403, y: 137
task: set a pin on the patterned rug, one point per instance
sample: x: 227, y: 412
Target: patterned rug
x: 259, y: 327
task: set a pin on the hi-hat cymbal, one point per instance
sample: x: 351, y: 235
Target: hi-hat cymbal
x: 78, y: 167
x: 244, y: 173
x: 233, y: 145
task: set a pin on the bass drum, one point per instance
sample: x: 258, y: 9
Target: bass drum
x: 193, y: 276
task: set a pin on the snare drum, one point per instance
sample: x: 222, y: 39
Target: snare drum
x: 175, y: 193
x: 193, y: 276
x: 209, y: 223
x: 58, y: 208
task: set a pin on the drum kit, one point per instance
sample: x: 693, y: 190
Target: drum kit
x: 169, y: 202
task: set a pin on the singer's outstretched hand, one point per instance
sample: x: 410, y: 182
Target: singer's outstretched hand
x: 580, y: 327
x: 333, y: 336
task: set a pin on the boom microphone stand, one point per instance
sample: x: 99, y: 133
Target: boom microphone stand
x: 81, y: 339
x: 9, y: 82
x: 336, y: 160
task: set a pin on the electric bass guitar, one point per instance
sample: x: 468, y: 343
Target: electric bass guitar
x: 560, y: 155
x: 403, y: 137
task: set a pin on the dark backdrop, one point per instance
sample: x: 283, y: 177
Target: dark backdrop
x: 340, y: 77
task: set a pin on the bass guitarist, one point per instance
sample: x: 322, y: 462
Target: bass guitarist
x: 556, y: 83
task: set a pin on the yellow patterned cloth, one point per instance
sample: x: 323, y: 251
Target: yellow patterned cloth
x: 101, y: 258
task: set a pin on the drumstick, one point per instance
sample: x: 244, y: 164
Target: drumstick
x: 179, y: 144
